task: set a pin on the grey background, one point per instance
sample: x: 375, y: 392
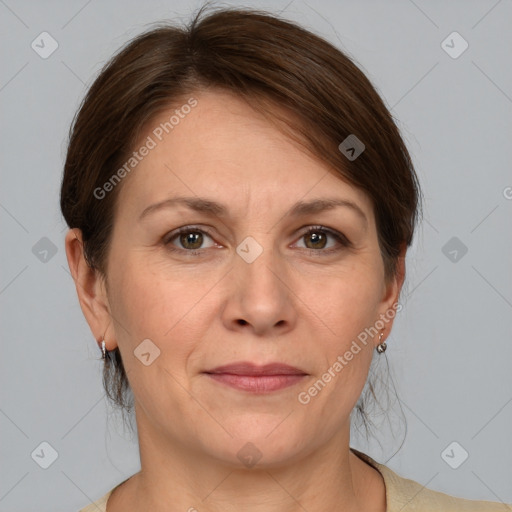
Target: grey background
x: 450, y: 351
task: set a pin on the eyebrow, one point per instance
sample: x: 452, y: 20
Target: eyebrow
x: 214, y: 209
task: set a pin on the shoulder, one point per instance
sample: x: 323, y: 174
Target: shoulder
x: 99, y: 505
x: 405, y: 495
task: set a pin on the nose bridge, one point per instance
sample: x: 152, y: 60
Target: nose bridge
x: 260, y: 297
x: 258, y: 263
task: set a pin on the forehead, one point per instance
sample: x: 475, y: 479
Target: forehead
x: 223, y: 148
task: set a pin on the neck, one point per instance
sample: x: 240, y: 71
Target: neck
x: 174, y: 475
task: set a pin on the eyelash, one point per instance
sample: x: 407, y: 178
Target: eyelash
x: 339, y: 237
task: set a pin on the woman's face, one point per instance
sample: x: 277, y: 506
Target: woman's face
x: 243, y: 282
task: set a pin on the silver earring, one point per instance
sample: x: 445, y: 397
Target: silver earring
x: 381, y: 347
x: 103, y: 350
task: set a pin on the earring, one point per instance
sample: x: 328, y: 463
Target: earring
x: 381, y: 347
x: 103, y: 349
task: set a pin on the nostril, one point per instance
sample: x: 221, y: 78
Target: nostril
x: 242, y: 322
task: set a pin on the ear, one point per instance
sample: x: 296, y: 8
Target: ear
x: 91, y: 290
x: 391, y: 292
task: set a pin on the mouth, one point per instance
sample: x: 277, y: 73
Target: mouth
x: 257, y: 379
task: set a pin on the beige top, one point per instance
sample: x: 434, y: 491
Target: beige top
x: 402, y: 495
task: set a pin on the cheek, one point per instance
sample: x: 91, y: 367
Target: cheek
x: 346, y: 302
x: 153, y: 301
x: 346, y: 305
x: 347, y: 311
x: 154, y: 306
x: 150, y: 301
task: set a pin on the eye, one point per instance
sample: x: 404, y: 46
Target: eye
x: 190, y: 238
x: 316, y: 239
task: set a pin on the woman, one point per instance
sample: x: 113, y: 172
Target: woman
x: 240, y: 203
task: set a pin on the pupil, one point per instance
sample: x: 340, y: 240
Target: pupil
x: 315, y: 237
x: 194, y: 239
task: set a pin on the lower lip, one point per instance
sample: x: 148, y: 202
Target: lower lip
x: 257, y: 384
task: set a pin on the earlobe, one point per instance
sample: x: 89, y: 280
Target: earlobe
x: 90, y: 287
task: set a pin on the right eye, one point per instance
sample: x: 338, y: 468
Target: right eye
x: 189, y: 237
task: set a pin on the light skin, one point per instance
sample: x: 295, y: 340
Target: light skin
x: 302, y: 302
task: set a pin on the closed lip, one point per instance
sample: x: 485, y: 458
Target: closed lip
x: 246, y: 368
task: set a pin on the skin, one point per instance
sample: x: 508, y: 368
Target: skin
x: 295, y: 303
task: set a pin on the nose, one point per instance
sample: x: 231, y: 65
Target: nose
x: 260, y: 298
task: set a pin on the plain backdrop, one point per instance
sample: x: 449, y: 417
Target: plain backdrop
x: 450, y: 351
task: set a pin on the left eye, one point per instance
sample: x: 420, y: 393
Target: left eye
x: 316, y: 238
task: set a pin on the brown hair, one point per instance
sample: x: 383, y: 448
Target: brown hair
x: 277, y: 67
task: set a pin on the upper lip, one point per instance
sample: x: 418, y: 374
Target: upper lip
x: 246, y: 368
